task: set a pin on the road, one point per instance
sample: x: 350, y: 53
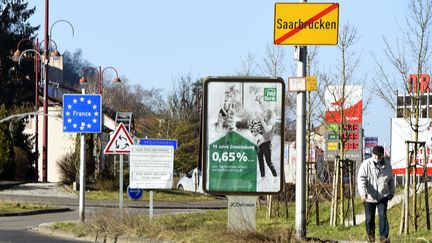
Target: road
x: 16, y: 228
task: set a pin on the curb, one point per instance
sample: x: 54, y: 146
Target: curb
x: 7, y: 185
x: 47, y: 230
x: 34, y: 212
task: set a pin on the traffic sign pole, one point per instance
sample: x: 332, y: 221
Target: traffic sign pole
x: 121, y: 183
x: 300, y: 199
x: 151, y: 205
x: 82, y: 176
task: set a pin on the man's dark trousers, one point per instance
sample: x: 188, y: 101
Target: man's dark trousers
x: 370, y: 209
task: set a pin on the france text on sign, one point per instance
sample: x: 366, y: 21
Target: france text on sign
x: 120, y: 142
x: 160, y: 142
x: 306, y: 23
x: 82, y: 113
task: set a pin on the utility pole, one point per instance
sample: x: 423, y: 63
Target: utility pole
x: 45, y: 103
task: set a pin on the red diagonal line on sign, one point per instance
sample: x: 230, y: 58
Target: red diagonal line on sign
x: 311, y: 20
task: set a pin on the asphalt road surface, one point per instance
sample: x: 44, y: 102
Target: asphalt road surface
x: 16, y: 228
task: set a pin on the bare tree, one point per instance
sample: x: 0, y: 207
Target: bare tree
x: 410, y: 55
x: 248, y: 65
x: 314, y: 115
x: 181, y: 120
x: 340, y: 87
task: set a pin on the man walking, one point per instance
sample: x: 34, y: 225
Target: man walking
x: 376, y: 187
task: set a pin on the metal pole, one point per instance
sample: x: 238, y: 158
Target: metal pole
x: 300, y: 219
x: 45, y: 104
x: 151, y: 204
x: 82, y: 176
x: 100, y: 80
x: 121, y: 182
x: 37, y: 64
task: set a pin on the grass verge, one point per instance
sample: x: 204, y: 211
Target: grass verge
x: 211, y: 226
x: 16, y: 207
x: 166, y: 195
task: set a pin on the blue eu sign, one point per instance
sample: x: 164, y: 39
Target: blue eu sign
x: 82, y: 113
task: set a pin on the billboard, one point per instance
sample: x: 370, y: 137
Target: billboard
x: 243, y: 135
x: 401, y: 131
x: 348, y: 99
x: 371, y: 142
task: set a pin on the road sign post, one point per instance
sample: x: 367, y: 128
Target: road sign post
x: 120, y: 143
x: 82, y: 114
x: 306, y: 23
x: 303, y: 24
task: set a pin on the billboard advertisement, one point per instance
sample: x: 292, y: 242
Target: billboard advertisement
x: 243, y: 135
x: 371, y: 142
x: 401, y: 131
x: 348, y: 99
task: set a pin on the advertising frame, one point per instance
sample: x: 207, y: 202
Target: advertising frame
x: 231, y: 161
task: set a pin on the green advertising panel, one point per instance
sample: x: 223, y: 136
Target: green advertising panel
x: 232, y: 164
x: 243, y: 135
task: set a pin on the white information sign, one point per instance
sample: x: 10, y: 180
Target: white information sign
x: 151, y: 167
x: 297, y: 84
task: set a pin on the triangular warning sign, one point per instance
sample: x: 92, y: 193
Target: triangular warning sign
x: 120, y: 142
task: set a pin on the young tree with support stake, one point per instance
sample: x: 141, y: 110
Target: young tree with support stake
x: 340, y: 91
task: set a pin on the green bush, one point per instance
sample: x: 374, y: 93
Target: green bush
x: 70, y: 163
x: 7, y: 163
x: 23, y: 165
x: 68, y: 168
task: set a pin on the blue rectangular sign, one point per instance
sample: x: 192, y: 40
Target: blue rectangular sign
x: 82, y: 113
x: 160, y: 142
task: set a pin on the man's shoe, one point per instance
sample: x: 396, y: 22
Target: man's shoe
x: 384, y: 240
x: 371, y: 238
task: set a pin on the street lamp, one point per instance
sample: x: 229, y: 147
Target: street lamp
x: 36, y: 46
x: 48, y: 37
x: 99, y: 72
x: 17, y: 56
x: 83, y: 80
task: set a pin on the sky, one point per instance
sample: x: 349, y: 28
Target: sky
x: 151, y: 43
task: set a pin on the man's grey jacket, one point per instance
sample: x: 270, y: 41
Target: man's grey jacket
x: 375, y: 180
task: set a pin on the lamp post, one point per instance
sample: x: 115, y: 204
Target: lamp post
x: 99, y: 78
x: 45, y: 90
x: 17, y: 55
x: 99, y: 72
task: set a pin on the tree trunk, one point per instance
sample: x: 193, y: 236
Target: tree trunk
x: 414, y: 206
x: 341, y: 193
x: 406, y: 196
x: 426, y: 189
x: 334, y: 203
x: 352, y: 190
x: 402, y: 221
x: 269, y: 206
x: 316, y: 194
